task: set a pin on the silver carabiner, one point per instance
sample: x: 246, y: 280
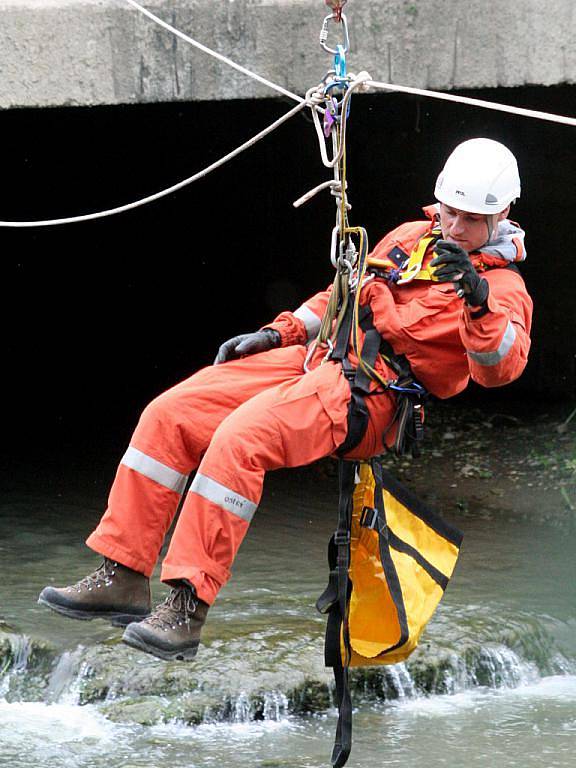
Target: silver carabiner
x: 324, y: 34
x: 351, y: 251
x: 333, y: 244
x: 328, y: 354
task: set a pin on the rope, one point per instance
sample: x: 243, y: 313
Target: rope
x: 361, y: 81
x: 356, y: 81
x: 550, y: 117
x: 216, y: 55
x: 164, y: 192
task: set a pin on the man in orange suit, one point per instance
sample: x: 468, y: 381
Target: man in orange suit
x: 444, y: 293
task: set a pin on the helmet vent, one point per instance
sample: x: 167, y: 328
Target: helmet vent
x: 491, y: 200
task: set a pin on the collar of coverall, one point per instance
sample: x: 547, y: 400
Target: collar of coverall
x: 506, y: 244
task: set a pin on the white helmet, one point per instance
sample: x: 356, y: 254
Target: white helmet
x: 480, y: 176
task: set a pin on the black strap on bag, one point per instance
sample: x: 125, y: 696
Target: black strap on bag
x: 334, y: 601
x: 386, y: 559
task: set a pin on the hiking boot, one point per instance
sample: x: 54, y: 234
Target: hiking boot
x: 112, y: 592
x: 172, y: 631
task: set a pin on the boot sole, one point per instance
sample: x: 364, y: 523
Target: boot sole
x: 115, y: 618
x: 135, y: 641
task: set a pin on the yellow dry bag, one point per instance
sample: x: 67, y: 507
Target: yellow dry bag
x: 390, y: 561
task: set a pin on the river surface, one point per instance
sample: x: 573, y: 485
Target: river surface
x: 512, y: 600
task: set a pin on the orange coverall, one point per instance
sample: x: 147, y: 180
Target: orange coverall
x: 235, y: 421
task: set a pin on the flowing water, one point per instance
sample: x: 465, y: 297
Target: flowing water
x: 493, y: 683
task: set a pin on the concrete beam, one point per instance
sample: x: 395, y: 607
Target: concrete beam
x: 91, y: 52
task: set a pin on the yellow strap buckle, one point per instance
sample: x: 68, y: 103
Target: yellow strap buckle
x: 414, y: 266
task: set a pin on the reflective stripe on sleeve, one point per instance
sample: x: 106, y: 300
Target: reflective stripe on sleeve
x: 154, y: 470
x: 493, y: 358
x: 310, y: 320
x: 224, y: 497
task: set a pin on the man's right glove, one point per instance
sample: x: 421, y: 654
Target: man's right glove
x: 452, y: 264
x: 248, y: 344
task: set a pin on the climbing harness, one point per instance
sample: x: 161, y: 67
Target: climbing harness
x: 390, y: 558
x: 344, y: 318
x: 390, y: 561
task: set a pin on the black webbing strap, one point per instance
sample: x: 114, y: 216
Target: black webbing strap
x: 340, y: 351
x: 343, y: 738
x: 390, y: 573
x: 358, y: 378
x: 357, y: 421
x: 334, y: 600
x: 398, y: 363
x: 329, y: 597
x: 370, y: 350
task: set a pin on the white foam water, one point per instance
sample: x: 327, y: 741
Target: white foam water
x: 52, y: 722
x: 558, y: 687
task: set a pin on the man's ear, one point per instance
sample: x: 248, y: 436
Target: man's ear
x: 504, y: 214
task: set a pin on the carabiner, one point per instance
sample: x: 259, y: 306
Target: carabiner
x: 331, y: 116
x: 324, y: 33
x: 333, y: 244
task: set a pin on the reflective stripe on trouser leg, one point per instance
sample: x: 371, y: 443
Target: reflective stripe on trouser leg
x: 208, y: 537
x: 140, y: 511
x: 285, y: 426
x: 156, y: 470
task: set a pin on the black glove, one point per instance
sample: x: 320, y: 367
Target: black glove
x: 248, y: 344
x: 452, y: 264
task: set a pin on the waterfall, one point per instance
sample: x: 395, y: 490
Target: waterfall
x: 65, y: 680
x: 15, y: 661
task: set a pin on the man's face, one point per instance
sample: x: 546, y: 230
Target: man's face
x: 468, y: 230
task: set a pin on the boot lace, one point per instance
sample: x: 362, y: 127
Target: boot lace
x: 102, y: 576
x: 177, y: 610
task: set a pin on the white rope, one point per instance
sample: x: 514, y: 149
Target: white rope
x: 216, y: 55
x: 164, y: 192
x: 314, y: 94
x: 550, y: 117
x: 310, y: 101
x: 331, y: 184
x: 174, y: 188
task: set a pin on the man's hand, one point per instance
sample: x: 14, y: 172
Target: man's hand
x: 248, y: 344
x: 452, y: 264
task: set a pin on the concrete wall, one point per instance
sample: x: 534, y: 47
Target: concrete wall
x: 90, y: 52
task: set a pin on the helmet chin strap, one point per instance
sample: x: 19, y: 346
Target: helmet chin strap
x: 491, y: 223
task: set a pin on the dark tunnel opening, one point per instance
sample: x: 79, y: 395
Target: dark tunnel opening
x: 99, y: 317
